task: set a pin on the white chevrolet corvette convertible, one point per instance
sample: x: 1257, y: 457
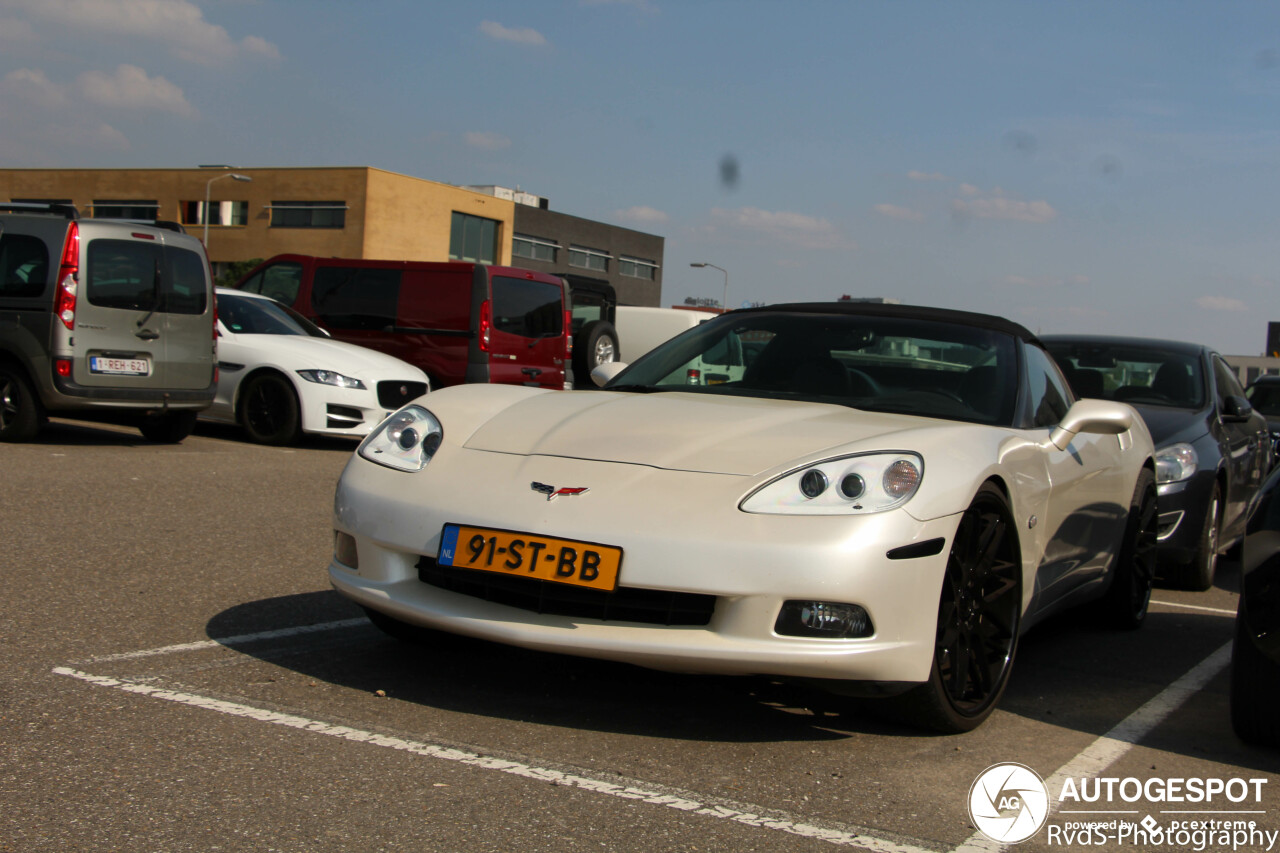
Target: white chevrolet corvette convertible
x: 877, y: 498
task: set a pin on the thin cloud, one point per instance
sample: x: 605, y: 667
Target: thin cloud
x: 1221, y: 303
x: 927, y: 176
x: 130, y: 88
x: 642, y: 215
x: 807, y: 232
x: 905, y: 214
x: 486, y: 140
x: 33, y: 85
x: 1037, y: 212
x: 179, y: 24
x: 519, y: 35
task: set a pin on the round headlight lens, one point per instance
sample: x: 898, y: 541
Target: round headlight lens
x: 813, y: 483
x: 853, y: 487
x: 406, y: 440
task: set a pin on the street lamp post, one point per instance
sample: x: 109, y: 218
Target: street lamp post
x: 724, y: 303
x: 208, y: 189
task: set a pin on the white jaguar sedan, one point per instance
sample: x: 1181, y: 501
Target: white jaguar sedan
x: 877, y: 498
x: 280, y: 375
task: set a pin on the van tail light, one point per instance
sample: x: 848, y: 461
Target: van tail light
x: 62, y: 367
x: 486, y: 324
x: 68, y: 271
x: 693, y: 376
x: 568, y: 334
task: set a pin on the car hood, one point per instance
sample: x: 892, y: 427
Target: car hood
x: 686, y: 432
x: 1169, y: 426
x: 303, y: 352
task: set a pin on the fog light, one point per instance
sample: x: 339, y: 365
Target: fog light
x: 344, y: 549
x: 828, y: 619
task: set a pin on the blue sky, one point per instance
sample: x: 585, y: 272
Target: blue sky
x: 1098, y: 167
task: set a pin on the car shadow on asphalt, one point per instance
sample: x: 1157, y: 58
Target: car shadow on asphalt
x: 1072, y: 673
x: 470, y: 676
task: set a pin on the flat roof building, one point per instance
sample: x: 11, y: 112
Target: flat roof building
x: 355, y: 212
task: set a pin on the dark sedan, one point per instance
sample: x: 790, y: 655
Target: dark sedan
x: 1212, y: 448
x: 1264, y: 396
x: 1255, y: 656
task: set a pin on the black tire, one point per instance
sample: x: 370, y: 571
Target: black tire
x: 19, y: 408
x: 979, y: 614
x: 1197, y: 574
x: 1126, y: 601
x: 268, y: 410
x: 168, y: 427
x: 595, y: 345
x: 1255, y: 689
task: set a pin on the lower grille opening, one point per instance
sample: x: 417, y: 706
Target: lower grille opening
x: 624, y: 604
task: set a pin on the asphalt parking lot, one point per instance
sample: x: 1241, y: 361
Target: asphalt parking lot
x: 177, y: 675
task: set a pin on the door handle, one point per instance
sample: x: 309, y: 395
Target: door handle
x: 531, y: 371
x: 147, y: 335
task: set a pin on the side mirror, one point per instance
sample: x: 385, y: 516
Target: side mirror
x: 1097, y: 417
x: 604, y: 372
x: 1236, y: 409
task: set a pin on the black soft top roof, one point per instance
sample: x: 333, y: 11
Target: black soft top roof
x: 909, y: 312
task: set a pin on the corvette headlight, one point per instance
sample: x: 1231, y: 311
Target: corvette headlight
x: 870, y: 482
x: 1176, y: 462
x: 331, y: 377
x: 407, y: 440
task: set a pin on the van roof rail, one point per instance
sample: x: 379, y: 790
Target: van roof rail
x: 67, y: 211
x: 166, y: 224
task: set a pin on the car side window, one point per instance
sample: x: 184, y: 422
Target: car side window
x: 1048, y: 397
x: 354, y: 297
x: 1225, y: 379
x: 24, y: 265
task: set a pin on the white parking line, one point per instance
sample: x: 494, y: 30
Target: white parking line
x: 1108, y: 749
x: 1093, y: 760
x: 652, y: 794
x: 240, y: 640
x: 1219, y: 610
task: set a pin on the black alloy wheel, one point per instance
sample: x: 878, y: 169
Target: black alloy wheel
x: 1127, y: 599
x: 979, y: 613
x: 19, y: 411
x: 1197, y: 574
x: 269, y: 410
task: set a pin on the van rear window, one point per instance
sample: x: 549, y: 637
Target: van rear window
x: 355, y: 298
x: 531, y: 309
x: 137, y: 276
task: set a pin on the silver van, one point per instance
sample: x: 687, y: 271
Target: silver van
x: 101, y: 317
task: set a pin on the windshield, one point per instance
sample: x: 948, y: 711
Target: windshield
x: 246, y: 315
x: 1147, y: 375
x: 883, y: 364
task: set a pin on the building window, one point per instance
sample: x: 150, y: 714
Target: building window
x: 40, y: 201
x: 126, y: 209
x: 591, y: 259
x: 637, y: 267
x: 220, y: 213
x: 473, y: 238
x: 308, y: 214
x: 534, y: 248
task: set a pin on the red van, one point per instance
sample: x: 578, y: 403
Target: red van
x: 459, y: 322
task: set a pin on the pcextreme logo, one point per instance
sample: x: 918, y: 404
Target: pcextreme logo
x: 1008, y: 802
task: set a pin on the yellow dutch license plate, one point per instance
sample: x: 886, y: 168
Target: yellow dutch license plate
x: 531, y: 556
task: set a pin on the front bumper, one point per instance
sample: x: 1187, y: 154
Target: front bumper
x: 1182, y: 515
x: 680, y: 532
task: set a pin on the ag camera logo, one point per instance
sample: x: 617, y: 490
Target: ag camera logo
x: 1008, y: 802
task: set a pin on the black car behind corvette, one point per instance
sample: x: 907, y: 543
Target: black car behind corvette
x: 1212, y: 449
x: 1255, y: 655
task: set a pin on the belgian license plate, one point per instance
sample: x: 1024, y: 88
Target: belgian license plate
x: 120, y: 366
x: 531, y: 556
